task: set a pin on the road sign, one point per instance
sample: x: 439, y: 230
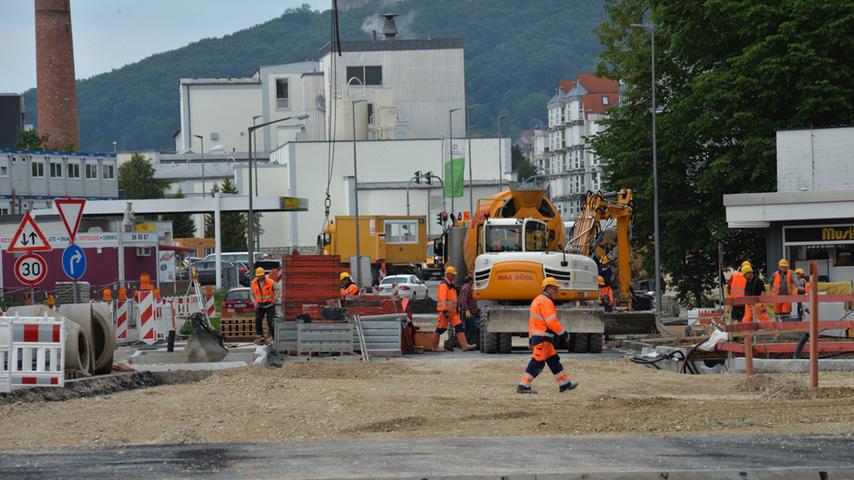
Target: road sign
x: 74, y: 262
x: 29, y: 237
x: 71, y: 211
x: 30, y: 269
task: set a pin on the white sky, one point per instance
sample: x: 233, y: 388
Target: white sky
x: 111, y: 33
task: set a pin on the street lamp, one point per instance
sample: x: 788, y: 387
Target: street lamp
x: 500, y: 166
x: 250, y: 224
x: 255, y: 149
x: 451, y: 152
x: 656, y: 238
x: 353, y: 103
x: 468, y: 140
x: 202, y: 139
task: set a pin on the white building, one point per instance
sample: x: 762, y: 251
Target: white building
x: 384, y: 169
x: 574, y: 116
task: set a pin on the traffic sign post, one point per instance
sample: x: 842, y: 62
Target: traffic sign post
x: 73, y: 257
x: 29, y: 237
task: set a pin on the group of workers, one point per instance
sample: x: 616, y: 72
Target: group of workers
x: 744, y: 282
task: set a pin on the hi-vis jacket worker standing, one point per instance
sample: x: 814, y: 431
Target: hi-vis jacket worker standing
x: 448, y: 310
x: 543, y: 329
x: 263, y: 290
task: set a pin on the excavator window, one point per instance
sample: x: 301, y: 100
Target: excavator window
x: 546, y: 209
x: 504, y: 238
x: 509, y: 209
x: 535, y: 237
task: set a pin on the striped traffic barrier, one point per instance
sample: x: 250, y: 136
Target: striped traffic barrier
x: 210, y: 306
x: 122, y: 319
x: 32, y: 352
x: 147, y: 317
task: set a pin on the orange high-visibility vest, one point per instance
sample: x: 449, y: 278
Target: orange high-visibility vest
x: 737, y: 285
x: 775, y: 289
x: 606, y: 291
x: 263, y: 293
x: 351, y: 290
x: 543, y: 323
x: 447, y: 297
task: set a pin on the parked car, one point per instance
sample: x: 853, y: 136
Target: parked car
x: 239, y: 299
x: 206, y: 270
x: 406, y: 286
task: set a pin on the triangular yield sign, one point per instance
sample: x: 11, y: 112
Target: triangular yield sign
x: 71, y: 211
x: 29, y: 237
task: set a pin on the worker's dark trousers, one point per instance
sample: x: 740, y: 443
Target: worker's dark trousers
x: 260, y: 311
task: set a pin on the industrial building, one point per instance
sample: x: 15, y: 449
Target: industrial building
x: 11, y: 118
x: 811, y: 215
x: 31, y: 179
x: 575, y: 113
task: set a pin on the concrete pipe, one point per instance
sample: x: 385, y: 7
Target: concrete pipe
x: 77, y: 354
x: 99, y: 331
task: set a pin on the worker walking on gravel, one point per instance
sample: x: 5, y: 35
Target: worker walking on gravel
x: 543, y: 330
x: 449, y: 314
x: 348, y: 286
x: 264, y: 293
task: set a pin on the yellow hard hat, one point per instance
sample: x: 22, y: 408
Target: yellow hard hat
x: 799, y: 271
x: 783, y: 263
x: 451, y: 270
x: 259, y: 272
x: 746, y: 263
x: 600, y: 280
x: 343, y: 276
x: 550, y: 282
x: 747, y: 269
x: 604, y: 260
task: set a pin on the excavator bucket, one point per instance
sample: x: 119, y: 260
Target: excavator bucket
x: 205, y: 344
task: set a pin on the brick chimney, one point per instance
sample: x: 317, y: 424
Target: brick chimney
x: 57, y: 95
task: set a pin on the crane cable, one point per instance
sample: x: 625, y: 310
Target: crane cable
x: 335, y: 45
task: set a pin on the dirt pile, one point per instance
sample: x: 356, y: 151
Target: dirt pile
x: 434, y: 395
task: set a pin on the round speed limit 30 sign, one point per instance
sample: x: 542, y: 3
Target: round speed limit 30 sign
x: 30, y: 269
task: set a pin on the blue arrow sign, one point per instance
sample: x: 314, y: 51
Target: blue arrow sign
x: 73, y: 262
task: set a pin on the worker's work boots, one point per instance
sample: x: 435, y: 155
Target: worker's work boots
x: 568, y: 386
x: 525, y: 390
x: 464, y: 344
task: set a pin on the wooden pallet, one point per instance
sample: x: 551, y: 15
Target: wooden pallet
x: 241, y: 327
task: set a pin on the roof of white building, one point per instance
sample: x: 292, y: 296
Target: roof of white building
x: 176, y: 171
x: 396, y: 44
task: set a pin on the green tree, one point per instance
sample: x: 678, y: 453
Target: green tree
x: 182, y: 223
x: 525, y: 169
x: 30, y: 140
x: 136, y: 179
x: 730, y: 73
x: 232, y: 224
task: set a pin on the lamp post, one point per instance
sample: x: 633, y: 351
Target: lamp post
x: 250, y: 223
x: 500, y: 166
x: 202, y: 139
x: 353, y: 103
x: 451, y: 153
x: 255, y: 150
x: 468, y: 141
x: 656, y: 238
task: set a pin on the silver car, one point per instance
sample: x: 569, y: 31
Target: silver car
x: 405, y: 286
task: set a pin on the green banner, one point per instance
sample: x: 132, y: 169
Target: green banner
x: 454, y: 177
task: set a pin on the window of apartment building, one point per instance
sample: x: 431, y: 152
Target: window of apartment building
x: 366, y: 75
x: 4, y: 210
x: 108, y: 171
x: 281, y: 93
x: 91, y: 170
x: 38, y: 169
x: 55, y: 169
x: 73, y: 170
x: 604, y: 99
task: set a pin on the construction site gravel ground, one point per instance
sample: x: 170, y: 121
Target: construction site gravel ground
x: 431, y: 396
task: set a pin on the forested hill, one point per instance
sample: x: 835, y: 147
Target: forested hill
x: 516, y: 51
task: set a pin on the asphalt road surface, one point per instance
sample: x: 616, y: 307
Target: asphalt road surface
x: 638, y: 457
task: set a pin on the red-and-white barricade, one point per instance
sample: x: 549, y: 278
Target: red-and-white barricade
x: 32, y: 352
x: 122, y: 317
x: 147, y: 317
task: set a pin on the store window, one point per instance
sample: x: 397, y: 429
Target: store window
x: 401, y: 231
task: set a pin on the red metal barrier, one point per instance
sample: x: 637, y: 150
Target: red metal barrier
x: 812, y: 326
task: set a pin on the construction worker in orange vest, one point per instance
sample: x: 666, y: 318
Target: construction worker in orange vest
x: 783, y: 283
x: 606, y: 294
x: 263, y: 290
x: 348, y: 286
x: 803, y: 289
x: 736, y: 287
x: 543, y: 329
x: 449, y: 313
x: 755, y: 287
